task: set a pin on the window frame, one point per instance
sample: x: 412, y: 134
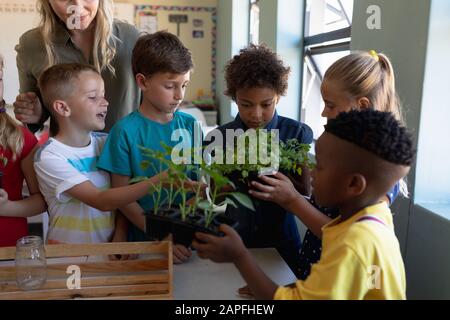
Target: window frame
x: 327, y: 42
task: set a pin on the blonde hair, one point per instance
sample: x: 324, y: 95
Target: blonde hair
x: 11, y: 137
x: 104, y: 48
x: 370, y: 75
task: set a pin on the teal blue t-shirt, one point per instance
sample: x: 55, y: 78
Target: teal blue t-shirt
x: 122, y: 155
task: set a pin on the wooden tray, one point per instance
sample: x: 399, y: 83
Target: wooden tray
x: 148, y: 277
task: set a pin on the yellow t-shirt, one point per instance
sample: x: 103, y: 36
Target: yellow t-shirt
x: 360, y: 260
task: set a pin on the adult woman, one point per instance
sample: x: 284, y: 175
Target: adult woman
x: 82, y: 31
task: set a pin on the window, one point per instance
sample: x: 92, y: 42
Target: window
x: 327, y: 38
x: 254, y: 21
x: 432, y: 183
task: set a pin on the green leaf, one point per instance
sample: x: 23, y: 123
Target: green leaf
x: 205, y: 205
x: 244, y: 200
x: 228, y: 201
x: 145, y: 164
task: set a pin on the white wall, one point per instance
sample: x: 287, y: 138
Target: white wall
x: 410, y: 34
x: 281, y: 28
x: 433, y: 169
x: 232, y: 35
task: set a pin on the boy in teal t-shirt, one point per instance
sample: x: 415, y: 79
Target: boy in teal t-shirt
x: 161, y: 65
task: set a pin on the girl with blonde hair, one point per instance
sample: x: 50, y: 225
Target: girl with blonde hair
x: 77, y: 31
x: 16, y: 164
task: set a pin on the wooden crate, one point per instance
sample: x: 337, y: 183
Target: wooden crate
x: 149, y: 277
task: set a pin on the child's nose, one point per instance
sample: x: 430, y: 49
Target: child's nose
x: 258, y: 112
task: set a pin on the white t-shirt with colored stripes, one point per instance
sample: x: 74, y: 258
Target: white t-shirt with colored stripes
x: 59, y: 168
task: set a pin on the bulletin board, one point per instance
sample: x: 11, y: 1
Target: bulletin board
x: 196, y: 27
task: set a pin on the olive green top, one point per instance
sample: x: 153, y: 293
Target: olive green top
x: 121, y: 90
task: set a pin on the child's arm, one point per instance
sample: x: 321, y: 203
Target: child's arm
x: 135, y: 215
x: 113, y: 198
x: 231, y: 249
x: 133, y: 211
x: 32, y: 205
x: 281, y: 191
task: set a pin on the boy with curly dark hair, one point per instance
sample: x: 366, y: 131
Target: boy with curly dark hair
x: 360, y: 156
x: 256, y: 79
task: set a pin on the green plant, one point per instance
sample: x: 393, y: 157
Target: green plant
x: 294, y: 155
x: 290, y: 157
x: 177, y: 175
x: 217, y: 183
x: 157, y: 191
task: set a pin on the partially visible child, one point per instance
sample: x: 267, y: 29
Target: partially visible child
x: 78, y: 194
x: 162, y: 66
x: 17, y: 146
x: 360, y: 156
x: 256, y: 79
x: 359, y: 81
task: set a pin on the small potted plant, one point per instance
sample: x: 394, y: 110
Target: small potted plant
x: 190, y: 214
x: 288, y: 157
x: 187, y: 222
x: 217, y: 197
x: 158, y: 220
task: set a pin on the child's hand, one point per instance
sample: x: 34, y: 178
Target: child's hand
x: 121, y: 236
x: 3, y: 199
x: 220, y: 249
x: 180, y: 253
x: 279, y: 189
x: 194, y: 186
x: 28, y: 108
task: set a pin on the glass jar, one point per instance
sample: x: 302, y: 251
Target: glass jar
x: 31, y: 263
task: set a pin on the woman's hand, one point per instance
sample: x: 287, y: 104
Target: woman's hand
x: 278, y: 189
x: 28, y: 108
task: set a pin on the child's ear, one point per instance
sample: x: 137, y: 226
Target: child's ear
x: 61, y: 108
x: 357, y: 184
x: 141, y: 81
x: 363, y: 103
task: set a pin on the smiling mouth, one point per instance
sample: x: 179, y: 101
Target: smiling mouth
x: 101, y: 115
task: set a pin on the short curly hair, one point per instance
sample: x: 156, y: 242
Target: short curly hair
x: 256, y: 66
x: 377, y: 132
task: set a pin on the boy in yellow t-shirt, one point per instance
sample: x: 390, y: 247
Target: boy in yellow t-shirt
x: 359, y: 158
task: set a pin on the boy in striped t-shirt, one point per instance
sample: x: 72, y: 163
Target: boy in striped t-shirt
x: 61, y: 167
x: 77, y: 193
